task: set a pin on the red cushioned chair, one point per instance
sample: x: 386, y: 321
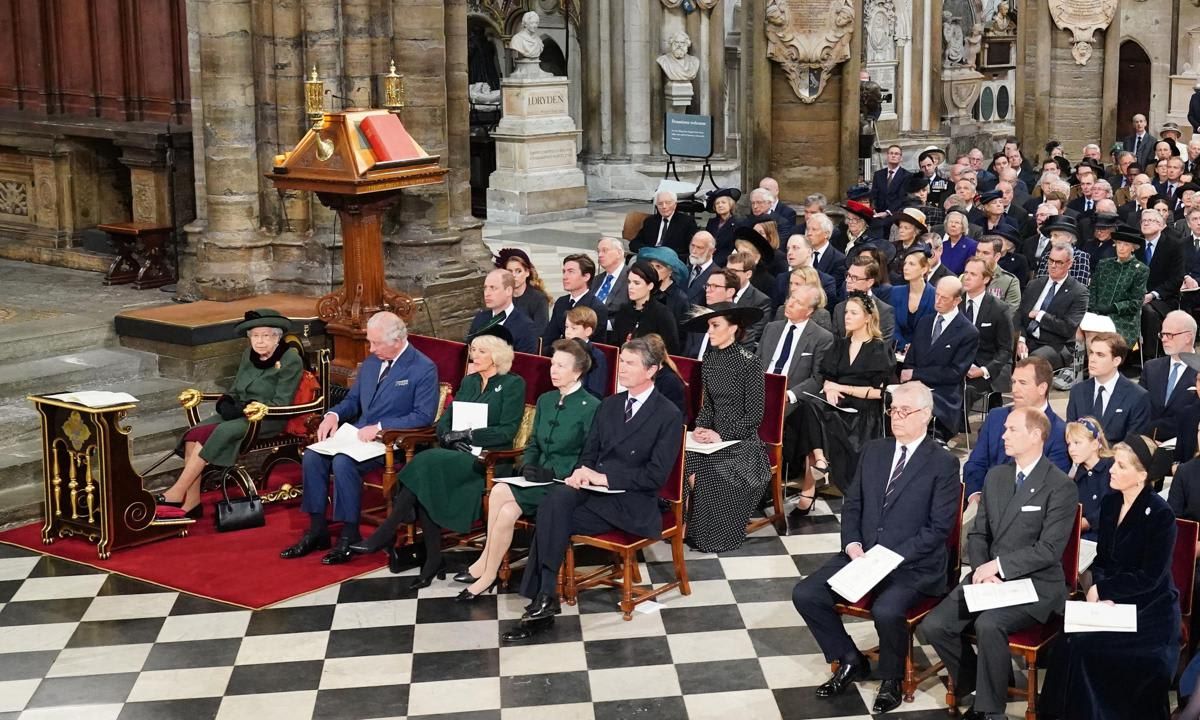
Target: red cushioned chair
x: 770, y: 431
x: 1183, y: 572
x: 693, y: 380
x: 1031, y: 641
x: 915, y: 614
x: 612, y: 355
x: 624, y: 573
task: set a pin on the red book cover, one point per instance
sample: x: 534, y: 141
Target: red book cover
x: 388, y: 138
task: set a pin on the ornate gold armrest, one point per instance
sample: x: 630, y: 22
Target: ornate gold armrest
x: 190, y: 399
x: 408, y: 438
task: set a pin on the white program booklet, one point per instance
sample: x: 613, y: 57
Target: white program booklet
x: 521, y: 482
x: 469, y: 416
x: 345, y: 442
x: 1099, y: 617
x: 989, y: 596
x: 1087, y: 554
x: 594, y: 488
x: 95, y: 398
x: 707, y: 448
x: 864, y: 573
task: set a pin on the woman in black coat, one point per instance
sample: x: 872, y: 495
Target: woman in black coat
x: 722, y: 225
x: 1116, y: 675
x: 644, y: 314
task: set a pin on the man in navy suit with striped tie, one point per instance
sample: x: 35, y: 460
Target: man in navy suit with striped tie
x: 396, y: 389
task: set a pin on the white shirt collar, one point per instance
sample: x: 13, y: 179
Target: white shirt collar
x: 948, y: 318
x: 911, y: 447
x: 978, y: 299
x: 508, y: 311
x: 1029, y: 469
x: 640, y: 400
x: 738, y: 295
x: 706, y: 265
x: 578, y: 384
x: 575, y: 298
x: 1108, y: 387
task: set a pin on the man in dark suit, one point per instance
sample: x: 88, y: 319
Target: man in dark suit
x: 1169, y: 381
x: 825, y: 257
x: 396, y: 389
x: 499, y: 310
x: 887, y: 184
x: 860, y: 277
x: 1051, y: 309
x: 1017, y: 216
x: 991, y: 370
x: 747, y: 295
x: 794, y: 346
x: 1121, y: 405
x: 578, y: 271
x: 721, y: 287
x: 905, y: 498
x: 700, y: 265
x: 942, y: 350
x: 666, y: 228
x: 765, y: 205
x: 635, y: 438
x: 799, y: 255
x: 780, y: 209
x: 1164, y: 255
x: 1021, y: 531
x: 611, y: 283
x: 1141, y: 142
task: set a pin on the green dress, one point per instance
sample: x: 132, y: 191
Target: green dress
x: 557, y: 440
x: 1117, y: 290
x: 449, y: 483
x: 274, y: 385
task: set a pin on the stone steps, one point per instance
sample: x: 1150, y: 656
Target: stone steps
x: 86, y: 370
x: 55, y: 336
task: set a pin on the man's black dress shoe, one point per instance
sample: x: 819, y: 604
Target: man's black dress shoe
x: 307, y: 544
x: 527, y: 631
x: 545, y: 606
x: 339, y: 554
x: 888, y: 698
x: 974, y: 714
x: 845, y: 676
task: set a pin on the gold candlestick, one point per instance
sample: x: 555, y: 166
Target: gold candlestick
x: 314, y: 99
x: 393, y: 89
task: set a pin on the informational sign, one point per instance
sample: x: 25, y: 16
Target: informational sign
x: 688, y: 135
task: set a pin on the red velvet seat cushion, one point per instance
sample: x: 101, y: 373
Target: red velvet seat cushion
x: 1037, y: 635
x: 620, y: 537
x: 449, y: 356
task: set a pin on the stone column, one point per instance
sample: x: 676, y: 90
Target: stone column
x: 356, y: 53
x: 593, y: 130
x: 289, y: 122
x: 639, y: 56
x: 755, y: 118
x: 322, y: 48
x: 617, y: 62
x: 657, y: 80
x: 458, y: 126
x: 715, y: 77
x: 230, y: 254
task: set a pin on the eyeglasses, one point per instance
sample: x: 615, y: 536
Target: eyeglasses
x: 856, y: 278
x: 1057, y: 263
x: 900, y: 413
x: 1168, y: 335
x: 711, y: 286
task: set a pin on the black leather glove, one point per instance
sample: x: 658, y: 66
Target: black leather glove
x: 538, y: 474
x: 230, y: 409
x: 456, y: 440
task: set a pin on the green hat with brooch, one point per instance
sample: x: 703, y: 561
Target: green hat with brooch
x: 264, y: 317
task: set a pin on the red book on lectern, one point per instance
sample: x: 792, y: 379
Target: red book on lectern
x: 388, y: 138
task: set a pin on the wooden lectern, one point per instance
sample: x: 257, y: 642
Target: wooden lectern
x: 335, y: 161
x: 89, y: 485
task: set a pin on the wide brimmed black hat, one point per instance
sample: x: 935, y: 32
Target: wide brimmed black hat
x: 913, y: 217
x: 915, y: 184
x: 1107, y: 220
x: 264, y: 317
x: 918, y: 248
x: 742, y: 316
x: 858, y: 192
x: 989, y: 196
x: 495, y: 330
x: 733, y: 194
x: 1062, y: 223
x: 1064, y: 166
x: 507, y: 254
x: 1179, y: 191
x: 750, y: 235
x: 1005, y: 231
x: 1126, y: 234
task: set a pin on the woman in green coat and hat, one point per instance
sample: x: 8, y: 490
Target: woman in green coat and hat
x: 443, y: 487
x: 269, y: 373
x: 1119, y: 285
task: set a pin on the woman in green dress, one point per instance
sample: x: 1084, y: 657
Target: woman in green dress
x: 443, y: 487
x: 560, y: 428
x: 1119, y: 285
x: 269, y: 374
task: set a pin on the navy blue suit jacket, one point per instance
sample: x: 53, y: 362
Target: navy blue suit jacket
x: 942, y: 365
x: 525, y: 334
x: 695, y: 291
x: 1165, y: 415
x: 989, y: 448
x: 557, y: 326
x: 832, y: 262
x: 406, y: 397
x: 1127, y: 412
x: 918, y: 516
x: 884, y: 197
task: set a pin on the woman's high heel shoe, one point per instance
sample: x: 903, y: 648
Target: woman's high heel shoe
x: 373, y: 544
x: 465, y: 577
x: 812, y: 502
x: 161, y: 499
x: 424, y: 581
x: 820, y: 470
x: 467, y: 596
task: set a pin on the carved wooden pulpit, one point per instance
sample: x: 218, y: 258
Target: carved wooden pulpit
x: 335, y: 161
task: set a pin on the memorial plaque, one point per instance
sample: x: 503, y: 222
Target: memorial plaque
x: 809, y: 38
x: 1083, y: 18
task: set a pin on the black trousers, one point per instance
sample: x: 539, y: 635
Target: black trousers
x: 986, y: 672
x: 563, y: 512
x: 814, y: 601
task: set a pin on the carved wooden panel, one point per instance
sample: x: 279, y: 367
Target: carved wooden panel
x: 114, y: 59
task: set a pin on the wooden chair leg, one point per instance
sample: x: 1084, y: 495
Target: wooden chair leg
x: 637, y: 568
x: 570, y: 575
x: 685, y: 588
x: 910, y: 673
x: 629, y: 567
x: 1031, y: 687
x: 951, y: 696
x: 505, y: 572
x: 777, y: 490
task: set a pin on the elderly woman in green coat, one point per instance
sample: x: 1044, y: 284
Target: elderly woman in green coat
x: 1119, y: 285
x: 443, y: 486
x: 560, y: 428
x: 269, y: 373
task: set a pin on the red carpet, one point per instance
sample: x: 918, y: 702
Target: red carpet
x: 241, y: 568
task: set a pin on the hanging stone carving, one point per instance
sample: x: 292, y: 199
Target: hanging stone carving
x: 809, y: 38
x: 1083, y: 18
x: 879, y: 21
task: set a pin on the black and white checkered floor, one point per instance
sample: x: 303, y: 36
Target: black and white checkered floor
x: 78, y: 643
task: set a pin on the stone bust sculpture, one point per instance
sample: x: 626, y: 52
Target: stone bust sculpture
x: 677, y: 64
x: 953, y: 40
x: 527, y: 43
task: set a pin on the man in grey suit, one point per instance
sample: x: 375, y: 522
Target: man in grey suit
x: 1021, y: 531
x: 610, y: 284
x: 794, y: 346
x: 1051, y: 309
x: 749, y: 296
x: 860, y: 276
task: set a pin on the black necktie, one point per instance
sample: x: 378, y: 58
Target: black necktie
x: 1137, y: 144
x: 695, y: 274
x: 1034, y: 324
x: 896, y: 471
x: 1099, y: 408
x: 499, y: 318
x: 971, y: 311
x: 570, y: 303
x: 629, y: 408
x: 785, y: 351
x: 1020, y: 479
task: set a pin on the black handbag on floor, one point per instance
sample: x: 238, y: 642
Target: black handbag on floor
x: 239, y: 513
